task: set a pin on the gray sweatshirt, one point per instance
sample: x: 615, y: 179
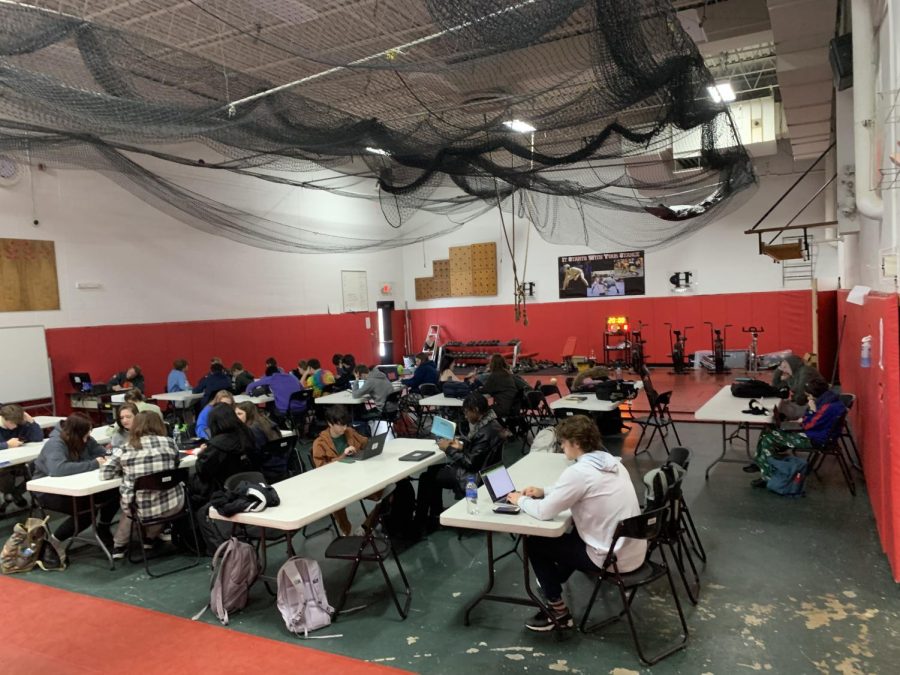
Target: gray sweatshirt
x: 377, y: 386
x: 54, y: 458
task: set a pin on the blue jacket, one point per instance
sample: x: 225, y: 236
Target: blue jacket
x: 28, y: 432
x: 424, y: 374
x: 818, y: 425
x: 177, y: 381
x: 211, y: 384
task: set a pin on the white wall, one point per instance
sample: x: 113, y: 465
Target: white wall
x: 155, y: 269
x: 724, y: 259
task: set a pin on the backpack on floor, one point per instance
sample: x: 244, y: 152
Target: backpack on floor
x: 301, y: 596
x: 399, y: 517
x: 235, y: 568
x: 22, y: 550
x: 788, y: 475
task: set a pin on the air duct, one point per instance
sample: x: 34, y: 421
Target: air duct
x: 868, y: 203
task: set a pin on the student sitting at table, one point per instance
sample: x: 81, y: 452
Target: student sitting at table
x: 263, y: 431
x: 814, y: 429
x: 466, y: 456
x: 425, y: 373
x: 302, y: 371
x: 136, y: 396
x: 588, y: 377
x: 793, y: 374
x: 177, y: 379
x: 70, y: 450
x: 240, y: 378
x: 201, y: 428
x: 598, y: 491
x: 318, y: 379
x: 506, y: 389
x: 214, y: 381
x: 149, y: 450
x: 336, y: 442
x: 376, y: 385
x: 230, y: 450
x: 122, y: 427
x: 345, y: 372
x: 126, y: 379
x: 17, y: 429
x: 282, y: 385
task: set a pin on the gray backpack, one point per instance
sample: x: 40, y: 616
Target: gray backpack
x: 301, y: 596
x: 235, y: 568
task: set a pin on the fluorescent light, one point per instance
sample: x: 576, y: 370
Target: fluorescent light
x: 378, y: 151
x: 519, y: 126
x: 722, y: 92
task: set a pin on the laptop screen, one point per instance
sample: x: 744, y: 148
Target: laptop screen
x: 80, y: 381
x: 498, y: 482
x: 443, y: 428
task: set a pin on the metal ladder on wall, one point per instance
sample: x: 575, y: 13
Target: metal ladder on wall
x: 431, y: 341
x: 799, y: 269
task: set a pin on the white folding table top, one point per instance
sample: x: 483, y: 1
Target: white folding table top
x: 441, y: 401
x: 539, y: 469
x: 87, y: 483
x: 319, y: 492
x: 178, y: 397
x: 47, y: 421
x: 21, y: 455
x: 590, y: 403
x: 256, y: 400
x: 724, y: 407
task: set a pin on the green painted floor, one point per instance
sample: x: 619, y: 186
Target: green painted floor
x: 791, y: 586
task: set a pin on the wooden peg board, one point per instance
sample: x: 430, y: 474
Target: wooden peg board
x: 28, y: 280
x: 470, y: 270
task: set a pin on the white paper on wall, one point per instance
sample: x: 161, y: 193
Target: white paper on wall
x: 354, y: 286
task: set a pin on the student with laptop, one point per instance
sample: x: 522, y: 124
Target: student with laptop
x: 465, y: 457
x: 424, y: 373
x: 338, y: 442
x: 376, y: 385
x: 599, y: 492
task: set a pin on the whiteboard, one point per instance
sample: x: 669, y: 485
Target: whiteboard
x: 24, y: 366
x: 355, y: 288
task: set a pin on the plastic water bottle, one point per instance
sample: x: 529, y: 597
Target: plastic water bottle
x: 865, y: 352
x: 618, y: 373
x: 176, y: 436
x: 471, y: 497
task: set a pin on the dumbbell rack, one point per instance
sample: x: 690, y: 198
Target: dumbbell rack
x: 479, y: 352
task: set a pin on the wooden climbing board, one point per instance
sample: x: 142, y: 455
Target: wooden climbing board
x: 470, y: 270
x: 28, y: 280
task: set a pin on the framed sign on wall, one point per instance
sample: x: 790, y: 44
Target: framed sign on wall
x: 601, y: 275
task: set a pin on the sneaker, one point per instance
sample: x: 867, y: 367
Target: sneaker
x: 541, y: 622
x: 166, y: 534
x: 119, y: 552
x: 751, y: 468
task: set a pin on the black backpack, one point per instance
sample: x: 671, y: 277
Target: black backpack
x: 453, y: 389
x: 753, y: 389
x: 399, y: 518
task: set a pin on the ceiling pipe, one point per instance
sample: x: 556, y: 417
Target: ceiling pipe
x: 868, y: 203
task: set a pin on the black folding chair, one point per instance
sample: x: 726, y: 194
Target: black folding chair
x: 424, y: 413
x: 848, y: 441
x: 659, y: 419
x: 374, y: 546
x: 298, y: 420
x: 157, y: 482
x: 649, y: 527
x: 549, y: 390
x: 832, y: 447
x: 278, y: 453
x: 537, y: 412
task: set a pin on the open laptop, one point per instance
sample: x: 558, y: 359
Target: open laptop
x: 443, y: 428
x: 80, y: 381
x: 373, y: 448
x: 499, y: 484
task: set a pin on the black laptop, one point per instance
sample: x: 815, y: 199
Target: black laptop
x: 373, y: 448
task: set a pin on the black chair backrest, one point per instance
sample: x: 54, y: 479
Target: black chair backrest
x: 302, y: 395
x: 250, y: 476
x: 648, y: 526
x: 279, y: 447
x: 848, y: 400
x: 549, y: 390
x: 680, y: 456
x: 162, y: 480
x: 533, y: 400
x: 428, y: 389
x: 569, y: 381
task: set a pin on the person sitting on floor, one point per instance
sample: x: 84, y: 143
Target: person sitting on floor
x: 814, y: 429
x: 177, y: 379
x: 273, y: 468
x: 240, y: 378
x: 376, y: 385
x: 465, y: 457
x: 424, y: 373
x: 17, y: 429
x: 793, y: 374
x: 230, y: 450
x: 126, y: 379
x: 136, y: 396
x: 122, y: 427
x: 201, y: 428
x: 318, y: 379
x: 214, y: 381
x: 598, y: 491
x: 283, y: 386
x: 70, y: 450
x: 149, y: 450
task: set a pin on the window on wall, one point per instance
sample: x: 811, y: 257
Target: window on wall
x: 385, y: 312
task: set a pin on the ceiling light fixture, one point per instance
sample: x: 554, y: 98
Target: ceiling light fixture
x: 519, y: 126
x: 378, y: 151
x: 722, y: 92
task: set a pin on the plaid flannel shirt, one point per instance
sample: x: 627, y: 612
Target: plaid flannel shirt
x: 157, y: 453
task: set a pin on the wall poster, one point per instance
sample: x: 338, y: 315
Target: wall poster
x: 601, y: 275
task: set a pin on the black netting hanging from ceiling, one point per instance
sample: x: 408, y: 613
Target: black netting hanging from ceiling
x: 403, y: 102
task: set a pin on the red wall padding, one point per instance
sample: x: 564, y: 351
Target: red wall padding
x: 826, y: 302
x: 785, y: 315
x: 101, y: 350
x: 876, y: 415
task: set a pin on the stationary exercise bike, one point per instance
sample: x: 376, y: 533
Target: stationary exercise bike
x: 717, y: 341
x: 637, y: 349
x: 678, y: 345
x: 753, y: 352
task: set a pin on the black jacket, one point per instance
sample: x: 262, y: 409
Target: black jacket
x: 119, y: 380
x: 483, y: 439
x: 241, y: 381
x: 225, y: 455
x: 508, y: 392
x: 211, y: 384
